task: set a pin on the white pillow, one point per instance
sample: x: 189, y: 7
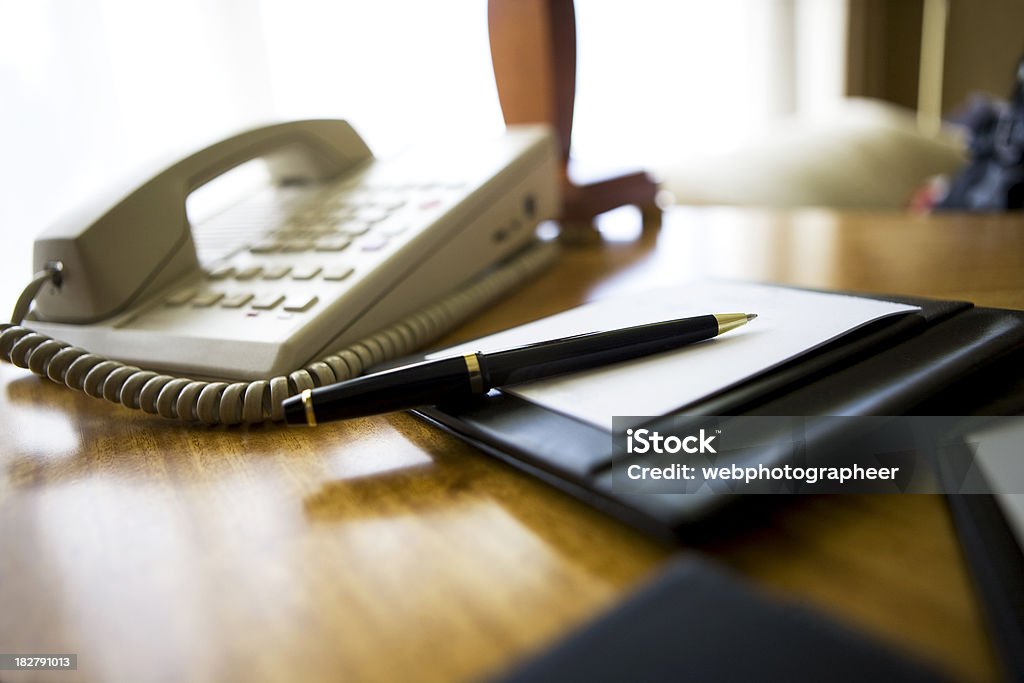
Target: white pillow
x: 868, y: 154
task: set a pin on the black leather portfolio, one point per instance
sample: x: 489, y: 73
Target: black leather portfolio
x: 996, y: 561
x: 698, y: 622
x: 950, y: 358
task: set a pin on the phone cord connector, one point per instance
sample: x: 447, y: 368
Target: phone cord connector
x: 189, y: 400
x: 52, y: 272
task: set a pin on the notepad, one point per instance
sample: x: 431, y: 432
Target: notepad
x: 790, y: 323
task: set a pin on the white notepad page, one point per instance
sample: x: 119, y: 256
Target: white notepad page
x: 790, y: 322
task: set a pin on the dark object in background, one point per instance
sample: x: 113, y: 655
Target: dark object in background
x: 699, y: 622
x: 994, y: 177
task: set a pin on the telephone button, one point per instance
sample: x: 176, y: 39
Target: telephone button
x: 337, y: 273
x: 206, y: 299
x: 248, y: 273
x: 275, y: 272
x: 374, y: 243
x: 306, y: 217
x: 393, y: 229
x: 332, y: 243
x: 267, y: 302
x: 372, y: 215
x: 299, y: 304
x: 181, y: 297
x: 220, y: 272
x: 265, y: 247
x: 354, y: 228
x: 296, y: 244
x: 343, y: 211
x: 305, y: 272
x: 390, y: 204
x: 318, y: 228
x: 235, y: 300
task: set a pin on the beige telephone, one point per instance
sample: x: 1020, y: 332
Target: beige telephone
x: 344, y: 258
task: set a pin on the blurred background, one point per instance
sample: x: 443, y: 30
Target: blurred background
x: 765, y: 102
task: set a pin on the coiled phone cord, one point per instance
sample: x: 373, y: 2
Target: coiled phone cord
x: 212, y: 403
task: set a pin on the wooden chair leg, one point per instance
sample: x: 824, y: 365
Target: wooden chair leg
x: 533, y: 50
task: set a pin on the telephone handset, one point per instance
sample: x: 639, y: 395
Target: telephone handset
x: 341, y: 250
x: 150, y: 223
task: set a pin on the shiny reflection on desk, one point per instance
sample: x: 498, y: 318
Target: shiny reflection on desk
x: 383, y: 549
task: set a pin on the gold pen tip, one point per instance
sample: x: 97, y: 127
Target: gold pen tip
x: 751, y: 316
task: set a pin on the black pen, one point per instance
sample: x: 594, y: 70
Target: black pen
x: 437, y: 381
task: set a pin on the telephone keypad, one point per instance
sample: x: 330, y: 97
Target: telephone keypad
x: 294, y: 264
x: 374, y: 213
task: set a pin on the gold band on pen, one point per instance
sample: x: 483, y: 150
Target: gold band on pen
x: 476, y: 378
x: 307, y: 404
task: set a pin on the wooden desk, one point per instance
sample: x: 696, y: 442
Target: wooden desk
x: 382, y: 549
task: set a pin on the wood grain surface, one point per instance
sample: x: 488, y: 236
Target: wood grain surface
x: 384, y: 550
